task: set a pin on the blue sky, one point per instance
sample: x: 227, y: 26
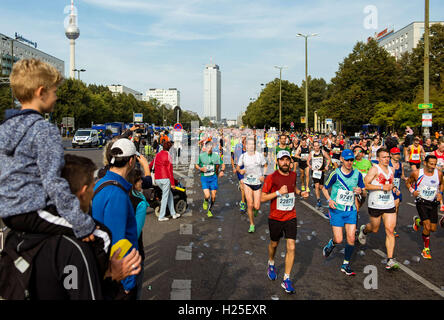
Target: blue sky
x: 165, y: 44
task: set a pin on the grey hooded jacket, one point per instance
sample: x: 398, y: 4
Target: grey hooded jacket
x: 31, y: 161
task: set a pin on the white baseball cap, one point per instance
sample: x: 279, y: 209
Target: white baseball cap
x: 283, y: 153
x: 128, y: 149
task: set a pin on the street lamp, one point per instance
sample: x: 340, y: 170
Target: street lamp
x: 280, y: 95
x: 78, y: 72
x: 306, y: 76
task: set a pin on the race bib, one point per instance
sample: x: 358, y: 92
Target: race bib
x: 336, y: 150
x: 345, y: 197
x: 383, y: 198
x: 415, y: 157
x: 252, y: 180
x: 427, y: 193
x: 317, y: 163
x: 440, y: 162
x: 317, y: 174
x: 285, y: 202
x: 304, y: 156
x: 397, y: 182
x: 210, y: 170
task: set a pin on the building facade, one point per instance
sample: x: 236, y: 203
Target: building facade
x: 12, y: 47
x: 119, y: 89
x: 403, y: 40
x: 212, y: 92
x: 168, y: 97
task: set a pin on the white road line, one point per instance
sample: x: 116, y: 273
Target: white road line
x: 314, y: 209
x: 414, y: 275
x: 181, y: 290
x: 411, y: 204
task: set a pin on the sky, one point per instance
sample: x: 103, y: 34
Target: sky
x: 146, y: 44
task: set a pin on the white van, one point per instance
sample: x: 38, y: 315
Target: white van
x: 85, y: 137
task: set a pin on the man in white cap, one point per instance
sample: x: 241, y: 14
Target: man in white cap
x: 112, y: 206
x: 280, y: 188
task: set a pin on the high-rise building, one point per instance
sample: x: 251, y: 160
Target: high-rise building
x: 119, y: 89
x: 403, y: 40
x: 14, y: 46
x: 168, y: 97
x: 212, y: 92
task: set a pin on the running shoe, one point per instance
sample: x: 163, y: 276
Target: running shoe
x: 209, y: 214
x: 392, y: 264
x: 441, y: 222
x: 308, y: 189
x: 416, y: 221
x: 302, y: 188
x: 255, y: 212
x: 328, y: 248
x: 288, y: 286
x: 271, y: 272
x: 362, y: 238
x: 426, y: 253
x: 319, y: 204
x: 347, y: 270
x: 251, y: 230
x: 243, y: 206
x: 396, y: 234
x: 205, y: 205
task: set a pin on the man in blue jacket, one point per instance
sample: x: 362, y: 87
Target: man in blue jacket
x: 112, y: 205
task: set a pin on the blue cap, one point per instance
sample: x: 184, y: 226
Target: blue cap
x: 347, y: 154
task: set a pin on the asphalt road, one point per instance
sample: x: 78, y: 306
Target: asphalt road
x: 200, y: 258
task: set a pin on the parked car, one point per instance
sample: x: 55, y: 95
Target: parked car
x: 85, y: 137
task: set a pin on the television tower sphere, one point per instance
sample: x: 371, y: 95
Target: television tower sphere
x: 72, y: 32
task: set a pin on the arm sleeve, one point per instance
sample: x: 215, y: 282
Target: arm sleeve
x: 50, y: 161
x: 140, y: 217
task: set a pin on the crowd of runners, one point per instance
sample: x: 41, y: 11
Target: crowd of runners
x: 62, y: 212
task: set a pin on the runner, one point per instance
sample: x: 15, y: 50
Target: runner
x: 283, y: 146
x: 374, y: 147
x: 398, y: 168
x: 428, y: 147
x: 363, y: 166
x: 240, y: 149
x: 280, y: 188
x: 295, y: 143
x: 414, y: 153
x: 301, y: 155
x: 318, y: 161
x: 336, y: 152
x: 345, y: 183
x: 208, y: 165
x: 379, y: 182
x: 425, y: 184
x: 254, y: 173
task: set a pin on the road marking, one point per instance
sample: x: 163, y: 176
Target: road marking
x: 181, y: 290
x: 315, y: 210
x: 412, y: 204
x: 414, y: 275
x: 186, y: 229
x: 184, y: 252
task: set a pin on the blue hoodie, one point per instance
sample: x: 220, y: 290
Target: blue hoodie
x: 31, y: 161
x: 112, y: 207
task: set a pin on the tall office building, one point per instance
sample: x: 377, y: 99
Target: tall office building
x: 212, y: 92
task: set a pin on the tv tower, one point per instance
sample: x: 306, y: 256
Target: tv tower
x: 72, y: 32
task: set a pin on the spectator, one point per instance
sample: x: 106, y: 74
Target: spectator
x: 113, y: 207
x: 163, y: 174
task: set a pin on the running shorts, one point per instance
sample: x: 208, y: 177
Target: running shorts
x: 279, y: 229
x: 320, y: 181
x: 428, y: 210
x: 376, y: 213
x: 254, y: 187
x: 339, y: 218
x: 417, y: 164
x: 209, y: 182
x: 303, y: 165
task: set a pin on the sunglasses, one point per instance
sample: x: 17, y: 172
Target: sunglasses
x: 349, y: 160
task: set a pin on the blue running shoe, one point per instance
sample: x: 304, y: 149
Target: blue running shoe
x: 328, y: 248
x: 347, y: 270
x: 271, y: 272
x: 288, y: 286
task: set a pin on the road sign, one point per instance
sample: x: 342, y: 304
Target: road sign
x: 427, y: 120
x: 329, y: 121
x: 425, y: 106
x: 178, y: 126
x: 137, y: 117
x: 302, y: 119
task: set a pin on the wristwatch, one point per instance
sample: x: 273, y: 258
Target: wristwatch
x: 278, y: 194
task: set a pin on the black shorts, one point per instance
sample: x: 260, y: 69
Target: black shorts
x: 278, y: 229
x: 303, y: 165
x: 254, y: 188
x: 320, y: 181
x: 376, y: 213
x: 427, y: 210
x: 418, y: 165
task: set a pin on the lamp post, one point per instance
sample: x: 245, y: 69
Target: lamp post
x: 78, y: 72
x: 306, y: 75
x: 280, y: 95
x: 426, y: 60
